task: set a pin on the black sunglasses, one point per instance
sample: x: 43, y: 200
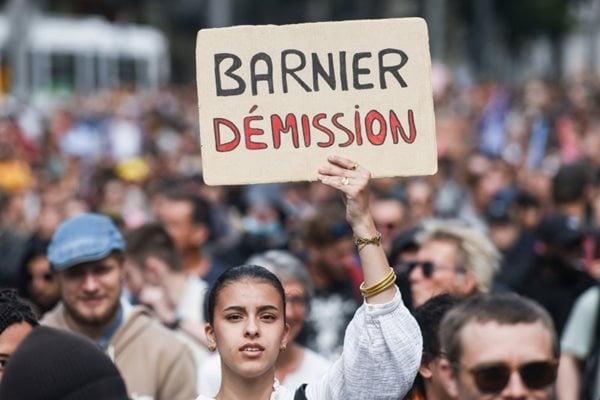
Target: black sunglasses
x: 493, y: 378
x: 428, y: 267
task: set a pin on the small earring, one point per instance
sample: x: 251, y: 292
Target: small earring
x: 212, y: 347
x: 283, y: 348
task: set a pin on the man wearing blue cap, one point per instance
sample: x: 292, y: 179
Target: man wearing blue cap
x: 86, y: 251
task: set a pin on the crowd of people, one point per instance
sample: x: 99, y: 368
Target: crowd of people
x: 108, y: 231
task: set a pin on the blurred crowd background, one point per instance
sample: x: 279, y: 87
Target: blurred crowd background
x: 100, y: 127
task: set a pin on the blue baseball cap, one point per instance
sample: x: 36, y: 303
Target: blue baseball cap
x: 84, y: 238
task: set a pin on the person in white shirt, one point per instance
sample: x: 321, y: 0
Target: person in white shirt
x: 246, y: 315
x: 298, y: 364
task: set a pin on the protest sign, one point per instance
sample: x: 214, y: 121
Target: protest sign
x: 274, y: 101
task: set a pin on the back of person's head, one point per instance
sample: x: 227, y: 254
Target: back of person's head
x: 14, y: 310
x: 501, y: 308
x: 239, y: 274
x: 570, y: 183
x: 524, y: 199
x: 53, y: 364
x: 284, y: 265
x: 477, y: 252
x: 404, y: 242
x: 559, y: 232
x: 152, y: 240
x: 429, y: 315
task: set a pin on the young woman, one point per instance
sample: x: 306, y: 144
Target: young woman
x: 298, y: 364
x: 246, y: 320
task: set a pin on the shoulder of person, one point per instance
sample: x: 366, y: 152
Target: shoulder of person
x: 55, y: 318
x: 141, y: 325
x: 588, y: 300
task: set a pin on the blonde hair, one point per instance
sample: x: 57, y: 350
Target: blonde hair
x: 477, y: 252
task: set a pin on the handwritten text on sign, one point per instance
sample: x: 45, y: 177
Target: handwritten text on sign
x: 276, y: 100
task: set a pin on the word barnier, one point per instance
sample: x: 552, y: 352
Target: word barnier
x: 292, y: 61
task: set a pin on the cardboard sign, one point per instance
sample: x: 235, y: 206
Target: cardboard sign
x: 275, y: 101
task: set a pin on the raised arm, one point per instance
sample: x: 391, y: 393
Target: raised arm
x: 353, y: 181
x: 382, y: 343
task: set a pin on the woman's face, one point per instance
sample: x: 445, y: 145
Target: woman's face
x: 43, y: 286
x: 248, y: 328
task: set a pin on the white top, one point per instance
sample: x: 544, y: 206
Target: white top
x: 381, y: 357
x: 312, y: 367
x: 279, y: 393
x: 577, y: 338
x: 190, y: 308
x: 191, y: 304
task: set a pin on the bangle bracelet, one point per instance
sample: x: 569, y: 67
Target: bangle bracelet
x: 362, y: 242
x: 380, y: 286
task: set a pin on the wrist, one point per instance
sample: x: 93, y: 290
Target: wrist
x: 364, y: 228
x: 361, y: 242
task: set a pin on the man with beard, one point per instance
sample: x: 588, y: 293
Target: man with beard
x: 86, y: 252
x: 334, y: 271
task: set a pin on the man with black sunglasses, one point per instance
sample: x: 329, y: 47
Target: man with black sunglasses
x: 500, y: 346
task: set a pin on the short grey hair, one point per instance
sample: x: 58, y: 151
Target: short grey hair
x: 285, y: 266
x: 478, y: 253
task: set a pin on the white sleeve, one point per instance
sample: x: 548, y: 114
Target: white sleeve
x: 381, y: 356
x: 579, y: 330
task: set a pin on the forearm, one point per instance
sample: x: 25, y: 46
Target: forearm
x: 352, y: 180
x: 373, y: 260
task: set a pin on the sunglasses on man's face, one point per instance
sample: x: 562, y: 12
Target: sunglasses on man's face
x: 493, y: 378
x: 429, y: 267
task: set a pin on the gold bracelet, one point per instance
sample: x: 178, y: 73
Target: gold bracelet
x: 362, y: 242
x: 380, y: 286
